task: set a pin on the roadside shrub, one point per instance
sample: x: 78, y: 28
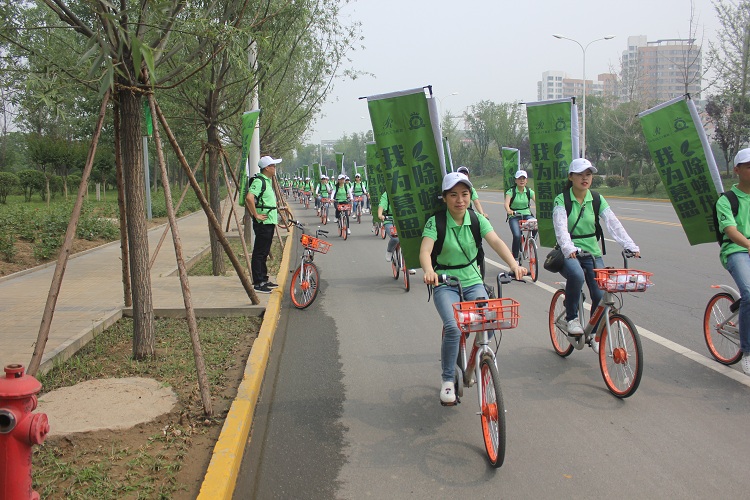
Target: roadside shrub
x: 597, y: 181
x: 8, y: 182
x: 634, y: 181
x: 7, y: 247
x: 615, y: 181
x: 32, y: 181
x: 651, y: 182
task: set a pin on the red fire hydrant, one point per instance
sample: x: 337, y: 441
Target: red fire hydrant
x: 19, y: 431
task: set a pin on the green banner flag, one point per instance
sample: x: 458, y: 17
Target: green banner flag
x: 683, y: 158
x: 340, y: 162
x: 331, y: 174
x: 553, y: 141
x: 375, y: 179
x: 249, y: 119
x: 407, y: 134
x: 318, y: 171
x: 511, y: 165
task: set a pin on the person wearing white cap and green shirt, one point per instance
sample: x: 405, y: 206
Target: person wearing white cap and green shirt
x: 261, y: 203
x: 577, y: 231
x: 518, y: 207
x: 736, y: 245
x: 458, y: 255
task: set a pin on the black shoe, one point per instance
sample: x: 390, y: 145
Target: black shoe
x: 262, y: 289
x: 270, y: 284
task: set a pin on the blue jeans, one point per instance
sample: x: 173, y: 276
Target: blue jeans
x: 444, y: 297
x: 393, y: 240
x: 515, y: 229
x: 575, y: 271
x: 738, y: 265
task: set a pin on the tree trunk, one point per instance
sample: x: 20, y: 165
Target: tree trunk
x: 214, y: 199
x: 135, y: 206
x: 124, y: 258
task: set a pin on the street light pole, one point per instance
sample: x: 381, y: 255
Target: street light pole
x: 583, y: 112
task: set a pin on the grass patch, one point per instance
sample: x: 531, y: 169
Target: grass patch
x: 204, y: 266
x: 148, y: 460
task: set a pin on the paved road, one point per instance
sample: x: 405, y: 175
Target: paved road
x: 350, y: 403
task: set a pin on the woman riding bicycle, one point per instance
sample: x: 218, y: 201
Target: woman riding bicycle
x: 459, y: 255
x: 341, y: 194
x: 358, y: 191
x: 518, y: 207
x: 581, y: 225
x: 322, y: 190
x: 384, y: 211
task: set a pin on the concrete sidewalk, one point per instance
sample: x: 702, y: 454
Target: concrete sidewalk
x: 91, y: 297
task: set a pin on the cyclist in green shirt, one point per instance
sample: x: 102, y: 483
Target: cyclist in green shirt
x: 735, y: 256
x: 474, y: 196
x: 358, y: 191
x: 341, y: 194
x: 580, y: 225
x: 458, y: 248
x: 521, y: 197
x: 384, y: 210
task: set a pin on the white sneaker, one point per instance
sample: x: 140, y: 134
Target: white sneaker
x: 594, y: 345
x: 412, y: 271
x: 348, y: 231
x: 574, y: 327
x: 388, y: 256
x: 447, y: 393
x: 746, y: 363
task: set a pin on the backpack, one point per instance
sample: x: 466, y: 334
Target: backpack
x: 734, y: 202
x: 262, y: 190
x: 513, y: 197
x: 597, y: 203
x: 441, y: 219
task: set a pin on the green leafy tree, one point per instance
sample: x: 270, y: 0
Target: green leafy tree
x: 8, y: 182
x: 478, y: 119
x: 31, y: 181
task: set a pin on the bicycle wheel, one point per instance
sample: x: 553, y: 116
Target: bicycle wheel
x: 723, y: 345
x: 382, y: 231
x: 303, y: 290
x: 345, y: 227
x: 621, y: 356
x: 359, y: 213
x: 557, y: 314
x: 284, y: 217
x: 533, y: 260
x: 492, y: 410
x: 396, y: 262
x: 324, y: 217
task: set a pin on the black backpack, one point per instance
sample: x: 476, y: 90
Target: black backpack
x: 441, y: 219
x: 734, y: 202
x: 597, y: 203
x: 262, y: 190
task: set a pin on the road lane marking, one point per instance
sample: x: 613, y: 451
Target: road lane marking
x: 705, y: 361
x: 650, y: 221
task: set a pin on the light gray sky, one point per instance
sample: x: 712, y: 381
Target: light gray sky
x: 492, y: 49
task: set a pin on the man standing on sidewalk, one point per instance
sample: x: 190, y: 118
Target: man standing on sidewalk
x: 261, y: 203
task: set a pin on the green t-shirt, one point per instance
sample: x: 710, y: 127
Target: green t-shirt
x: 325, y: 189
x: 459, y: 246
x: 522, y: 200
x: 266, y: 204
x: 726, y: 219
x: 358, y: 188
x: 474, y: 195
x: 587, y: 224
x: 340, y: 193
x: 385, y: 204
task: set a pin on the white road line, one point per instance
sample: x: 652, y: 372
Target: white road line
x: 705, y: 361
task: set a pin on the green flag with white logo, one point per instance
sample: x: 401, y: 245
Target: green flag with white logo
x: 249, y: 119
x: 553, y: 141
x: 410, y: 150
x: 511, y: 165
x: 682, y: 155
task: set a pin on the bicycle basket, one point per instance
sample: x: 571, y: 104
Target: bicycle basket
x: 344, y: 207
x: 623, y: 280
x: 528, y: 224
x: 394, y: 232
x: 486, y: 314
x: 315, y: 244
x: 325, y: 200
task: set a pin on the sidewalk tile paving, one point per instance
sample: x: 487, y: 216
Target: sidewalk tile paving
x: 91, y: 297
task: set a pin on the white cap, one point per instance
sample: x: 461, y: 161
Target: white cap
x: 341, y: 176
x: 743, y: 156
x: 521, y: 173
x: 358, y: 175
x: 267, y: 161
x: 454, y: 178
x: 580, y: 165
x: 463, y: 170
x: 307, y: 178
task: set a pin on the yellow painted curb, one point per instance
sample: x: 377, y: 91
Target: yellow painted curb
x: 222, y: 472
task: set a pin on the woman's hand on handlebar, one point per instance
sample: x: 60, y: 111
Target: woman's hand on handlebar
x: 431, y: 278
x: 519, y: 271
